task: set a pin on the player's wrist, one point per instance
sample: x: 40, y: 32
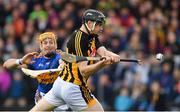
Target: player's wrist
x: 101, y: 64
x: 19, y: 61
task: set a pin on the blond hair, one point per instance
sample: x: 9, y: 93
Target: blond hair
x: 47, y: 35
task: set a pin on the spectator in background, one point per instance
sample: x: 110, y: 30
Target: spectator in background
x: 126, y: 19
x: 156, y: 99
x: 115, y: 46
x: 18, y: 23
x: 172, y: 43
x: 123, y: 102
x: 40, y: 16
x: 134, y: 43
x: 176, y: 88
x: 153, y: 44
x: 138, y: 96
x: 5, y: 83
x: 105, y: 85
x: 17, y: 92
x: 143, y: 71
x: 166, y: 80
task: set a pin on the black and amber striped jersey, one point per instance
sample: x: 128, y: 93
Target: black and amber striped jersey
x: 80, y: 44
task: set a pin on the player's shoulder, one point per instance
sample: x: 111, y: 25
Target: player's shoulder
x: 78, y: 34
x: 75, y: 33
x: 57, y: 55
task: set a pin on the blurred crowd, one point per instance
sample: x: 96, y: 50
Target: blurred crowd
x: 134, y: 29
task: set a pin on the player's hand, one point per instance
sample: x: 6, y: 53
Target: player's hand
x: 106, y: 60
x: 58, y: 51
x: 61, y: 64
x: 115, y: 58
x: 27, y: 59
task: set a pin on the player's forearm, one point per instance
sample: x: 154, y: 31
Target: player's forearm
x: 90, y: 69
x: 11, y: 63
x: 102, y: 51
x: 109, y: 53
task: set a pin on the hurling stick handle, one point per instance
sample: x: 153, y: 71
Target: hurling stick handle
x: 126, y: 60
x: 94, y: 58
x: 82, y: 58
x: 123, y: 60
x: 130, y: 60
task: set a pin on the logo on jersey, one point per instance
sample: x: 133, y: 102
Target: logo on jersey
x: 47, y: 64
x: 93, y: 48
x: 40, y: 65
x: 93, y: 53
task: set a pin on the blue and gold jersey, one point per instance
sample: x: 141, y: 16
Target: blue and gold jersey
x: 45, y: 80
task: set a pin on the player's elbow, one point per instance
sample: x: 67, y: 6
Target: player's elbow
x: 5, y: 65
x: 84, y: 72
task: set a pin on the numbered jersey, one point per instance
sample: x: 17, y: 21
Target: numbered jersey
x: 46, y: 80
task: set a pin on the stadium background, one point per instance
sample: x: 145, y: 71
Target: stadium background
x: 134, y: 28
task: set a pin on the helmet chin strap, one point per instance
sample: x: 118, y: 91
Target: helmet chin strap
x: 88, y: 29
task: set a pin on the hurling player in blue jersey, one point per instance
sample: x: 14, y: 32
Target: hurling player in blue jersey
x: 48, y: 58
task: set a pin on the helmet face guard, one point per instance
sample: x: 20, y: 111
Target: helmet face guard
x: 95, y: 16
x: 101, y: 23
